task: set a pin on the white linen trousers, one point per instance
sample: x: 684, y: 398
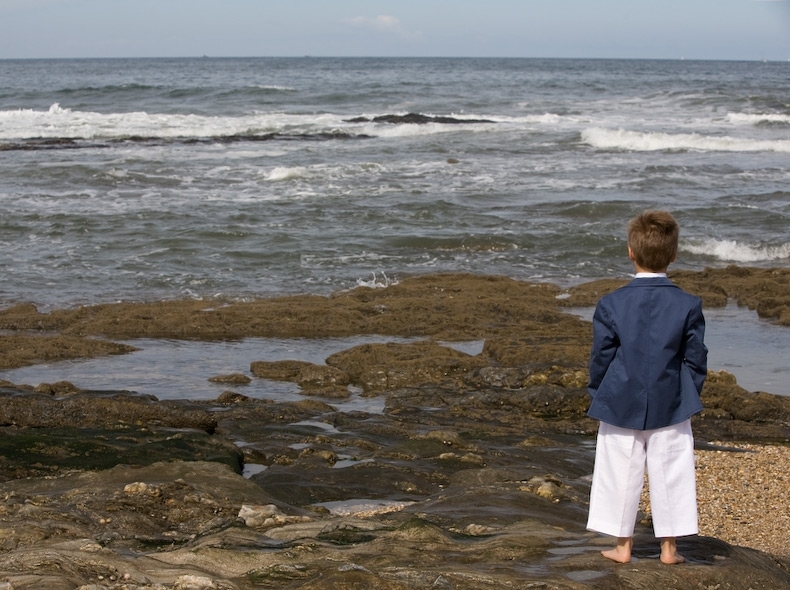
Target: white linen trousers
x: 618, y: 478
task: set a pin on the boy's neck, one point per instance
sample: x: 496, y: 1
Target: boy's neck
x: 649, y: 271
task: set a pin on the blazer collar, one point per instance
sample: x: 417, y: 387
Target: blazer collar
x: 651, y: 282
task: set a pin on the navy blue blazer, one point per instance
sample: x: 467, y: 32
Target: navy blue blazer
x: 648, y: 360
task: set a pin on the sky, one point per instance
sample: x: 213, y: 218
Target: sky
x: 660, y: 29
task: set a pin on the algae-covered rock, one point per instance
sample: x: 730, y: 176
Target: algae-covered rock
x: 474, y: 475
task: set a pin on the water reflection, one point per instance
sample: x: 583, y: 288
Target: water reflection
x: 740, y: 342
x: 752, y: 349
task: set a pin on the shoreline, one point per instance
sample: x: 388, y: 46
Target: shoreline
x: 748, y: 308
x: 738, y: 341
x: 484, y: 453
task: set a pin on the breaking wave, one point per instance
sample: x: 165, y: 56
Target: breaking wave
x: 732, y: 251
x: 642, y: 141
x: 756, y: 119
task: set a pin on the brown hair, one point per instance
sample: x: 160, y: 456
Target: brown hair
x: 653, y: 239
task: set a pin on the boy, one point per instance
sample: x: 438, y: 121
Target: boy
x: 647, y: 367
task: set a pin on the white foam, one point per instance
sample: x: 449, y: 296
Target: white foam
x: 376, y: 282
x: 641, y: 141
x: 59, y: 122
x: 386, y: 130
x: 753, y: 119
x: 56, y: 109
x: 732, y: 251
x: 282, y: 173
x: 275, y: 87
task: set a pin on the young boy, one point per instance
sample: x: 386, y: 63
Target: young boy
x: 647, y: 367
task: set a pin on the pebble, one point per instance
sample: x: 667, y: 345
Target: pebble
x: 743, y: 495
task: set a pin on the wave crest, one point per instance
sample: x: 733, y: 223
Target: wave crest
x: 732, y: 251
x: 643, y: 141
x: 281, y: 173
x: 756, y: 119
x: 56, y: 109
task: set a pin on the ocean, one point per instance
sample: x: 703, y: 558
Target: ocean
x: 146, y: 179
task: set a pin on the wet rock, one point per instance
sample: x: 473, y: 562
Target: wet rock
x: 35, y: 452
x: 548, y: 488
x: 57, y: 389
x: 278, y: 370
x: 376, y: 367
x: 322, y: 455
x: 19, y: 350
x: 506, y: 525
x: 315, y: 380
x: 101, y: 409
x: 317, y: 376
x: 732, y: 413
x: 446, y: 437
x: 416, y: 119
x: 470, y: 458
x: 194, y: 583
x: 331, y: 392
x: 475, y: 475
x: 232, y: 379
x: 507, y: 377
x: 449, y: 307
x: 764, y: 290
x: 268, y: 516
x: 231, y: 397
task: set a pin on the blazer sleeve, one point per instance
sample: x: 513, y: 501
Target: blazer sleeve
x: 604, y: 348
x: 695, y: 353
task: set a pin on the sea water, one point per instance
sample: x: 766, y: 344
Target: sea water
x: 753, y: 350
x: 146, y: 179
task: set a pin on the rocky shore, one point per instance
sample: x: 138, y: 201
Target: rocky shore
x: 475, y: 475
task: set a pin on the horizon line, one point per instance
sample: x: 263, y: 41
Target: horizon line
x: 448, y: 57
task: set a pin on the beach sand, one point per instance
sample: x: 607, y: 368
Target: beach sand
x: 743, y: 495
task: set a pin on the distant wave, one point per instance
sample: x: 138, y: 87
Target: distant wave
x: 756, y: 119
x: 61, y: 122
x: 61, y: 128
x: 275, y: 88
x: 63, y: 125
x: 732, y: 251
x: 640, y: 141
x: 131, y: 87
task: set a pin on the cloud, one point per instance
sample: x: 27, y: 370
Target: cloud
x: 382, y: 22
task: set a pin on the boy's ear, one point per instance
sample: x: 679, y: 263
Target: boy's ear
x: 631, y: 254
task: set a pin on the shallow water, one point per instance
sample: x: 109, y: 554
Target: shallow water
x: 752, y: 349
x: 179, y: 369
x: 742, y: 343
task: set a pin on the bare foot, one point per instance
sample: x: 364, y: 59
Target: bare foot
x: 669, y: 552
x: 672, y: 558
x: 617, y: 555
x: 622, y: 551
